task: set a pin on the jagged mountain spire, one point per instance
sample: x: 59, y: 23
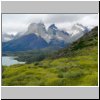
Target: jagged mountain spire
x: 53, y: 34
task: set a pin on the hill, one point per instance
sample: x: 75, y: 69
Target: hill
x: 88, y: 40
x: 73, y: 66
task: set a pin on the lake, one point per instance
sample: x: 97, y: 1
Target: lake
x: 9, y: 60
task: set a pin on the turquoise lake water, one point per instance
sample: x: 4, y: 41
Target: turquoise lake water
x: 8, y: 60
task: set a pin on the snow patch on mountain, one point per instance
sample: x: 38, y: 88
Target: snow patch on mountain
x: 77, y: 31
x: 52, y: 33
x: 57, y: 34
x: 7, y: 37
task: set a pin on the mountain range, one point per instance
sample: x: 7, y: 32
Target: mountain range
x: 76, y: 65
x: 38, y: 37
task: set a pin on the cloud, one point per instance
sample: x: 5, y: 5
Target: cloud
x: 14, y: 23
x: 61, y: 18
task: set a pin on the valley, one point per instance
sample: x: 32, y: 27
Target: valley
x: 73, y: 65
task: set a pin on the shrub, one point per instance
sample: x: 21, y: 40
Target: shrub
x: 73, y: 74
x: 60, y: 75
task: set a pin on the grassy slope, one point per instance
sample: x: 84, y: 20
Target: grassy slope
x: 75, y: 66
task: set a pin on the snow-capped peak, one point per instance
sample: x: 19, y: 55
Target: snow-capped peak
x: 53, y: 27
x: 36, y: 28
x: 77, y: 31
x: 79, y: 27
x: 53, y: 33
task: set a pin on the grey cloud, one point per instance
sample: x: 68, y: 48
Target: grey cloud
x: 20, y: 22
x: 61, y: 18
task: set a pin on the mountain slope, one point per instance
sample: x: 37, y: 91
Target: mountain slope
x: 87, y: 41
x: 77, y: 31
x: 52, y: 37
x: 74, y: 66
x: 26, y: 42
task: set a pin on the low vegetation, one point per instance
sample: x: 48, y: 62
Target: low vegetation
x: 75, y: 66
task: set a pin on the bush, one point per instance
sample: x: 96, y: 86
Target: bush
x: 60, y: 75
x: 36, y: 63
x: 73, y: 74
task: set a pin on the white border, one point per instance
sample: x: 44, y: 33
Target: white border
x: 0, y: 52
x: 98, y: 49
x: 51, y: 0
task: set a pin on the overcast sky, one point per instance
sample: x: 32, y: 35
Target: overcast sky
x: 14, y: 23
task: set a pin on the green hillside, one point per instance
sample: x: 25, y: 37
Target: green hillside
x: 75, y: 66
